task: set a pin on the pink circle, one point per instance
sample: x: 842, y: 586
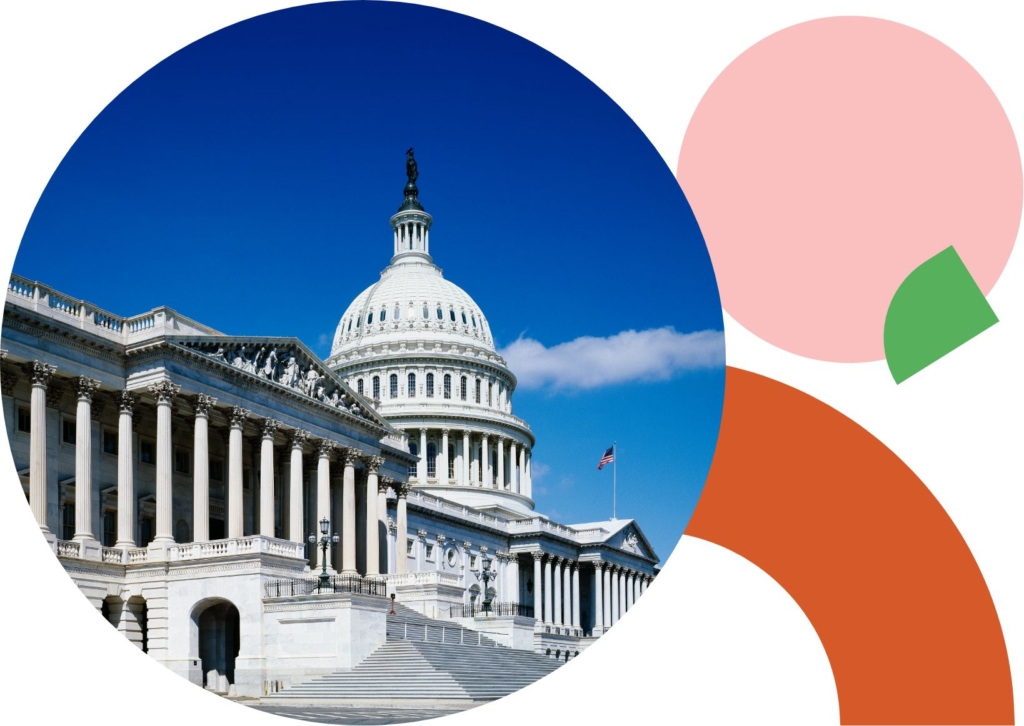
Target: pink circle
x: 831, y: 159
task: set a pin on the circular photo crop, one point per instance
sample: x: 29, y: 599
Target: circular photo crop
x: 362, y: 354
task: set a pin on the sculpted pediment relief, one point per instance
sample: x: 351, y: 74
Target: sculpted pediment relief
x: 286, y: 363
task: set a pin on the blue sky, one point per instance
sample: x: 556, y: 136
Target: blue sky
x: 247, y: 182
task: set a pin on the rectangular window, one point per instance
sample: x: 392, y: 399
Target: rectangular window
x: 451, y: 461
x: 109, y: 442
x: 447, y: 386
x: 68, y: 521
x: 478, y: 390
x: 462, y: 389
x: 109, y: 528
x: 216, y: 470
x: 430, y: 552
x: 490, y: 394
x: 430, y: 385
x: 409, y: 546
x: 473, y: 562
x: 147, y: 452
x: 24, y: 419
x: 359, y: 386
x: 394, y: 386
x: 67, y: 431
x: 376, y: 388
x: 182, y: 461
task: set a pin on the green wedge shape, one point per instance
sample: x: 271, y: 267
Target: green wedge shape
x: 937, y: 308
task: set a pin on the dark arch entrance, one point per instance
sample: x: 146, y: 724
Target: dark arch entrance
x: 218, y: 644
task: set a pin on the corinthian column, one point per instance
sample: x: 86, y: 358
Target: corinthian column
x: 402, y: 535
x: 296, y: 441
x: 125, y: 479
x: 201, y: 468
x: 567, y: 602
x: 548, y: 612
x: 607, y: 587
x: 522, y: 471
x: 442, y: 459
x: 485, y: 463
x: 267, y: 477
x: 348, y: 513
x: 165, y: 391
x: 421, y: 465
x: 83, y: 460
x: 557, y: 611
x: 598, y: 600
x: 323, y: 495
x: 538, y: 600
x: 40, y: 373
x: 499, y: 482
x: 236, y: 501
x: 373, y: 465
x: 465, y: 459
x: 513, y: 482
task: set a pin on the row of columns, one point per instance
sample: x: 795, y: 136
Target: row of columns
x: 476, y: 470
x: 616, y: 589
x: 554, y: 577
x: 164, y: 392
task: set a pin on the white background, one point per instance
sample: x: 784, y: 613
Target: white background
x: 715, y: 640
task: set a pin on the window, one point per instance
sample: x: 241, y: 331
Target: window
x: 452, y: 313
x: 490, y: 394
x: 349, y: 326
x: 430, y: 552
x: 411, y: 388
x: 408, y: 546
x: 426, y: 312
x: 383, y: 315
x: 109, y: 528
x: 450, y: 556
x: 462, y: 389
x: 359, y: 386
x: 376, y: 388
x: 414, y: 450
x: 24, y: 419
x: 182, y: 461
x: 473, y: 318
x: 68, y: 521
x: 431, y: 460
x: 147, y: 452
x: 430, y: 385
x: 440, y: 314
x: 451, y: 461
x: 359, y: 321
x: 398, y: 313
x: 369, y: 319
x: 67, y: 431
x: 216, y: 470
x: 394, y: 385
x: 464, y: 321
x: 447, y: 386
x: 109, y: 442
x: 473, y: 560
x: 478, y: 390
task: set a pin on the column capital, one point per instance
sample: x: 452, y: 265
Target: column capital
x: 125, y: 401
x: 445, y: 431
x: 537, y: 556
x: 40, y: 372
x: 598, y: 565
x: 559, y: 561
x: 574, y: 564
x: 269, y: 427
x: 421, y: 533
x: 201, y: 404
x: 423, y: 429
x: 466, y: 546
x: 237, y: 416
x: 383, y: 483
x: 324, y: 447
x: 373, y: 463
x: 349, y: 455
x: 86, y: 387
x: 402, y: 489
x: 441, y: 539
x: 165, y: 391
x: 297, y: 438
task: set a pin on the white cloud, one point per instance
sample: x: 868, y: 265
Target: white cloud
x: 538, y: 470
x: 629, y: 356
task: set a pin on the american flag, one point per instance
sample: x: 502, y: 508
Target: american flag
x: 608, y: 458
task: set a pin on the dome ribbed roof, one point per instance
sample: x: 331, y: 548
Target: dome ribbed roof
x: 411, y: 302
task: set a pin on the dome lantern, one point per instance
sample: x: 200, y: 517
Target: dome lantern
x: 411, y: 225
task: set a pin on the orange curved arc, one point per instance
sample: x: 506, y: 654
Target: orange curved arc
x: 865, y: 549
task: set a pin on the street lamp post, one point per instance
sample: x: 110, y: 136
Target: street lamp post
x: 325, y: 542
x: 486, y: 575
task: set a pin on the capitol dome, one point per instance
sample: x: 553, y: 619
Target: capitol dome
x: 421, y: 350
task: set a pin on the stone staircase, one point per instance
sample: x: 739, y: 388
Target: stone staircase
x: 425, y: 661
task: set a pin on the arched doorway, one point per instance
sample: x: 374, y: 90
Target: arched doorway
x: 217, y: 623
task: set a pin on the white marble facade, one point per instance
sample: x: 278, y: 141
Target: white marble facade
x: 209, y: 459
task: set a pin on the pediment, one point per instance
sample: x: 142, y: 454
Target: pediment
x: 288, y: 363
x: 630, y: 539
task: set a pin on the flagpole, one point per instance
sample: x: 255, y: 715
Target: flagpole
x: 615, y: 464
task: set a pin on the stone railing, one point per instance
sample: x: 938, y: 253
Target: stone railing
x: 67, y: 548
x: 255, y: 544
x: 474, y: 515
x: 449, y: 407
x: 138, y: 555
x: 539, y: 524
x: 431, y: 577
x: 113, y: 556
x: 43, y: 299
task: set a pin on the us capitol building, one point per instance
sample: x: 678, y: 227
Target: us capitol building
x: 221, y: 476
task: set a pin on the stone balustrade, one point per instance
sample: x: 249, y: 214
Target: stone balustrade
x: 44, y: 300
x: 430, y: 577
x: 254, y: 544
